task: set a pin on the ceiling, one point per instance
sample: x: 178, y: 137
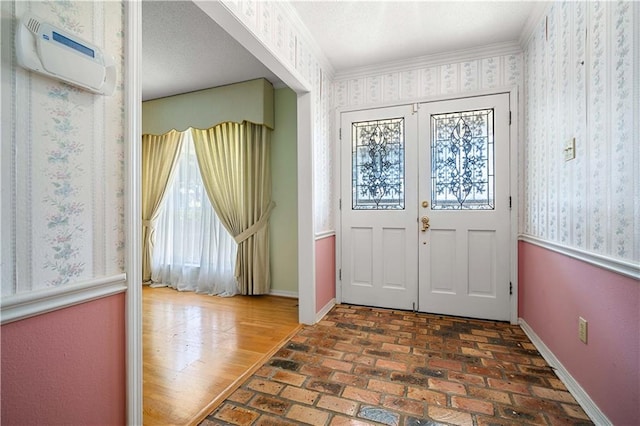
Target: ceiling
x: 184, y: 50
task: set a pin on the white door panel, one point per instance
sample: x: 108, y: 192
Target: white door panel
x: 464, y: 255
x: 380, y: 261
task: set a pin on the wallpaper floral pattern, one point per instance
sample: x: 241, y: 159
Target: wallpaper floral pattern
x: 582, y: 81
x: 486, y: 73
x: 67, y: 225
x: 579, y: 75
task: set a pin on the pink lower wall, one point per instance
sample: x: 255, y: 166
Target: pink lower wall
x: 325, y: 271
x: 66, y: 367
x: 553, y: 291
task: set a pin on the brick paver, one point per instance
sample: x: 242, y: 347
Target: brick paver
x: 370, y: 366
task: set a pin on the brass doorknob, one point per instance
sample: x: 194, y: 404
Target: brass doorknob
x: 425, y: 223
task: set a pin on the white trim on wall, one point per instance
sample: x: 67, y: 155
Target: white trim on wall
x: 133, y: 212
x: 26, y: 305
x: 539, y: 9
x: 306, y: 243
x: 325, y: 234
x: 222, y: 14
x: 325, y: 309
x: 514, y: 191
x: 581, y: 396
x: 284, y: 293
x: 628, y: 269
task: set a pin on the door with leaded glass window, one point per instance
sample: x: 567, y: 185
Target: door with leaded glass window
x: 425, y: 216
x: 379, y: 194
x: 464, y: 256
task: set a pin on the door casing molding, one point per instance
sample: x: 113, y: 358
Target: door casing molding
x: 133, y: 212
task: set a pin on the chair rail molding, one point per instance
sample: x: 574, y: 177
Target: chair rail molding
x: 623, y: 267
x: 29, y: 304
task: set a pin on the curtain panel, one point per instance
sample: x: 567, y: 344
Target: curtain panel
x: 159, y: 160
x: 236, y: 170
x: 192, y: 249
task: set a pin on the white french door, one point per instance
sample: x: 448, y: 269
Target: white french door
x: 425, y: 207
x: 379, y: 239
x: 464, y: 184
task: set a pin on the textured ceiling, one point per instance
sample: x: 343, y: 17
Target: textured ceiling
x: 356, y: 34
x: 184, y: 50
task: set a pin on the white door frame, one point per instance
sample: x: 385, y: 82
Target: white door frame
x: 133, y: 227
x: 514, y: 164
x: 133, y: 211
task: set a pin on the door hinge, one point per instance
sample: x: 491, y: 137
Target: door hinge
x: 510, y: 288
x: 340, y: 204
x: 509, y: 118
x: 509, y: 202
x: 340, y: 135
x: 340, y: 274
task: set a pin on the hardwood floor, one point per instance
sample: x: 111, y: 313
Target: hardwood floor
x: 198, y: 349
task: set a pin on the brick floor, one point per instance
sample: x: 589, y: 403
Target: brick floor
x: 369, y: 366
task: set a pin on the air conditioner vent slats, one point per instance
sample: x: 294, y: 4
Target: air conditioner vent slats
x: 33, y: 25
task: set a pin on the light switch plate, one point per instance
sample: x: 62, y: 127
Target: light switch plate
x: 570, y: 149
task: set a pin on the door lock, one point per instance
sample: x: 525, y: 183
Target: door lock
x: 425, y: 223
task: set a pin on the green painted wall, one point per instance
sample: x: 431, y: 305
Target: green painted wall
x: 283, y: 230
x: 251, y: 101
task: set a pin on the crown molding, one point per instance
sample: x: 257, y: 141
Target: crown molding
x: 496, y: 49
x: 539, y: 10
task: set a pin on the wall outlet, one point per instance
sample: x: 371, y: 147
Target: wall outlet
x: 570, y: 149
x: 582, y: 329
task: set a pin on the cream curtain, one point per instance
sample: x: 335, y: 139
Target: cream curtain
x: 159, y: 159
x: 236, y: 171
x: 192, y: 250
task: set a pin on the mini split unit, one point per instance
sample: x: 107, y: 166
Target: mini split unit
x: 48, y: 50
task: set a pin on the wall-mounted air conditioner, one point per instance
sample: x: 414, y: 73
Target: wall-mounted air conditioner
x: 51, y: 51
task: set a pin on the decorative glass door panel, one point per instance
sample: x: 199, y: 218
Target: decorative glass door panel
x: 378, y: 164
x: 462, y: 160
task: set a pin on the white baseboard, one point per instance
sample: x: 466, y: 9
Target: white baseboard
x: 325, y: 310
x: 284, y: 293
x: 581, y: 396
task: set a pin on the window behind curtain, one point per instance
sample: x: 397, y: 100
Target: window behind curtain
x: 192, y: 250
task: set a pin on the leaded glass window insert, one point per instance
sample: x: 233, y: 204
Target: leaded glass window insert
x: 378, y: 165
x: 462, y: 160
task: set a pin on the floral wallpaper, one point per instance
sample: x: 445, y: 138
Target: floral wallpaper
x: 68, y: 167
x: 420, y: 83
x: 579, y: 80
x: 582, y: 82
